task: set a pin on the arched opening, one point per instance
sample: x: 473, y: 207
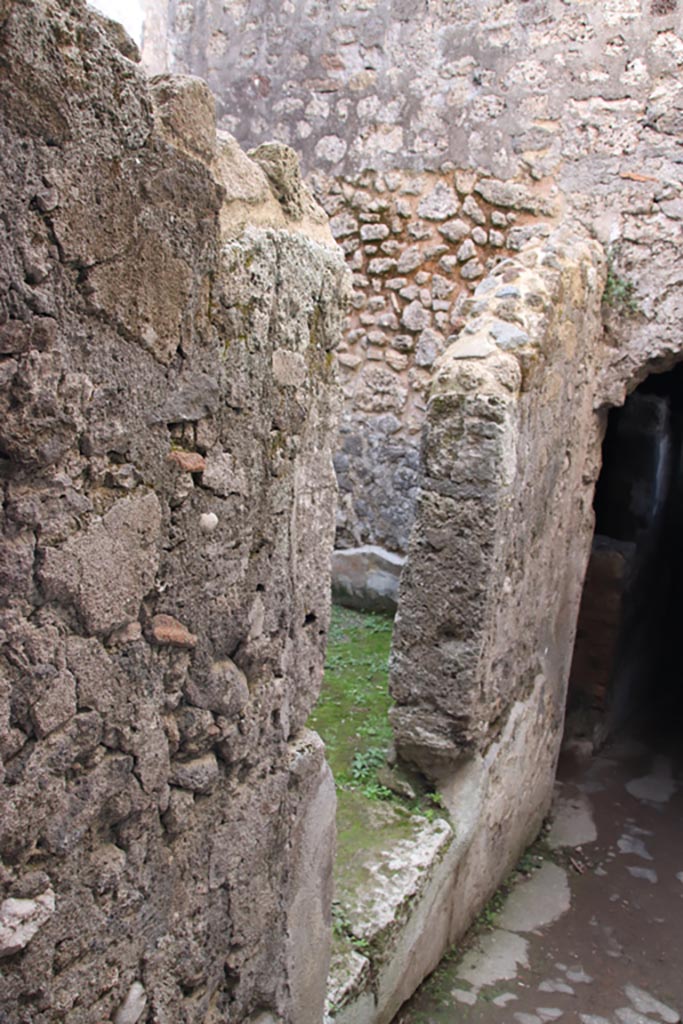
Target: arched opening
x: 626, y: 667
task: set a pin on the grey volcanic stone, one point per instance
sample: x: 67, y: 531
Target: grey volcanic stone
x: 440, y: 204
x: 107, y: 570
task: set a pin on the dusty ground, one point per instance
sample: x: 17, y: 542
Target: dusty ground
x: 596, y: 934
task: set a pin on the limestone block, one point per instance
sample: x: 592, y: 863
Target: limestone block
x: 223, y: 473
x: 471, y: 208
x: 471, y: 270
x: 310, y: 890
x: 466, y: 251
x: 343, y: 224
x: 486, y: 393
x: 281, y: 166
x: 429, y: 345
x: 511, y: 195
x: 415, y: 317
x: 410, y: 259
x: 373, y: 232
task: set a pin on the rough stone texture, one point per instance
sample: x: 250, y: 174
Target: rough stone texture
x: 426, y: 127
x: 167, y: 320
x: 490, y: 591
x: 443, y: 138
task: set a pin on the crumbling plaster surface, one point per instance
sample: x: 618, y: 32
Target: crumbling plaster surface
x: 440, y: 136
x: 168, y: 310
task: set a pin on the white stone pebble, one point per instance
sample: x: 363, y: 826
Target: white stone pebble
x: 208, y: 521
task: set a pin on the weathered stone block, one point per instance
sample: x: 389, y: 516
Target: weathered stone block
x: 488, y: 421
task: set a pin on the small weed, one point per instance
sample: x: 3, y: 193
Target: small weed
x: 341, y: 928
x: 365, y: 763
x: 352, y: 712
x: 376, y: 791
x: 619, y: 294
x: 340, y: 922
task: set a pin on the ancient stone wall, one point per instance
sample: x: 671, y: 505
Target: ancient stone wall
x: 441, y: 136
x: 168, y: 309
x: 491, y: 588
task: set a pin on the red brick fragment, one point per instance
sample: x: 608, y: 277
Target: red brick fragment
x: 167, y: 630
x: 189, y: 462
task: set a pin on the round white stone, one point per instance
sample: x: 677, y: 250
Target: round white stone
x: 208, y: 521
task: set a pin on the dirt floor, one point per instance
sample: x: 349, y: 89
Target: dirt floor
x: 595, y: 935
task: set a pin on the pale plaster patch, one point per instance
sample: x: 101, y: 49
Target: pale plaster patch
x: 646, y: 873
x: 538, y: 902
x: 629, y: 844
x: 462, y: 995
x: 556, y: 985
x: 573, y: 823
x: 657, y: 788
x: 579, y: 976
x: 627, y: 1015
x: 646, y: 1003
x: 504, y: 998
x: 500, y: 955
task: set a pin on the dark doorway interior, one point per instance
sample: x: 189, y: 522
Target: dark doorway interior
x: 627, y: 672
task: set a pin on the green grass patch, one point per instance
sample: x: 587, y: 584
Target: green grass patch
x: 352, y: 712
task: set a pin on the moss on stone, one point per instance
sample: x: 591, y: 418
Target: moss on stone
x: 372, y: 822
x: 352, y: 712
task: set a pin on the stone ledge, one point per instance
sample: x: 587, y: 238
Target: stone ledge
x: 459, y: 868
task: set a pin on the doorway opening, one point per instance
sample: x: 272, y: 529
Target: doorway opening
x: 627, y: 672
